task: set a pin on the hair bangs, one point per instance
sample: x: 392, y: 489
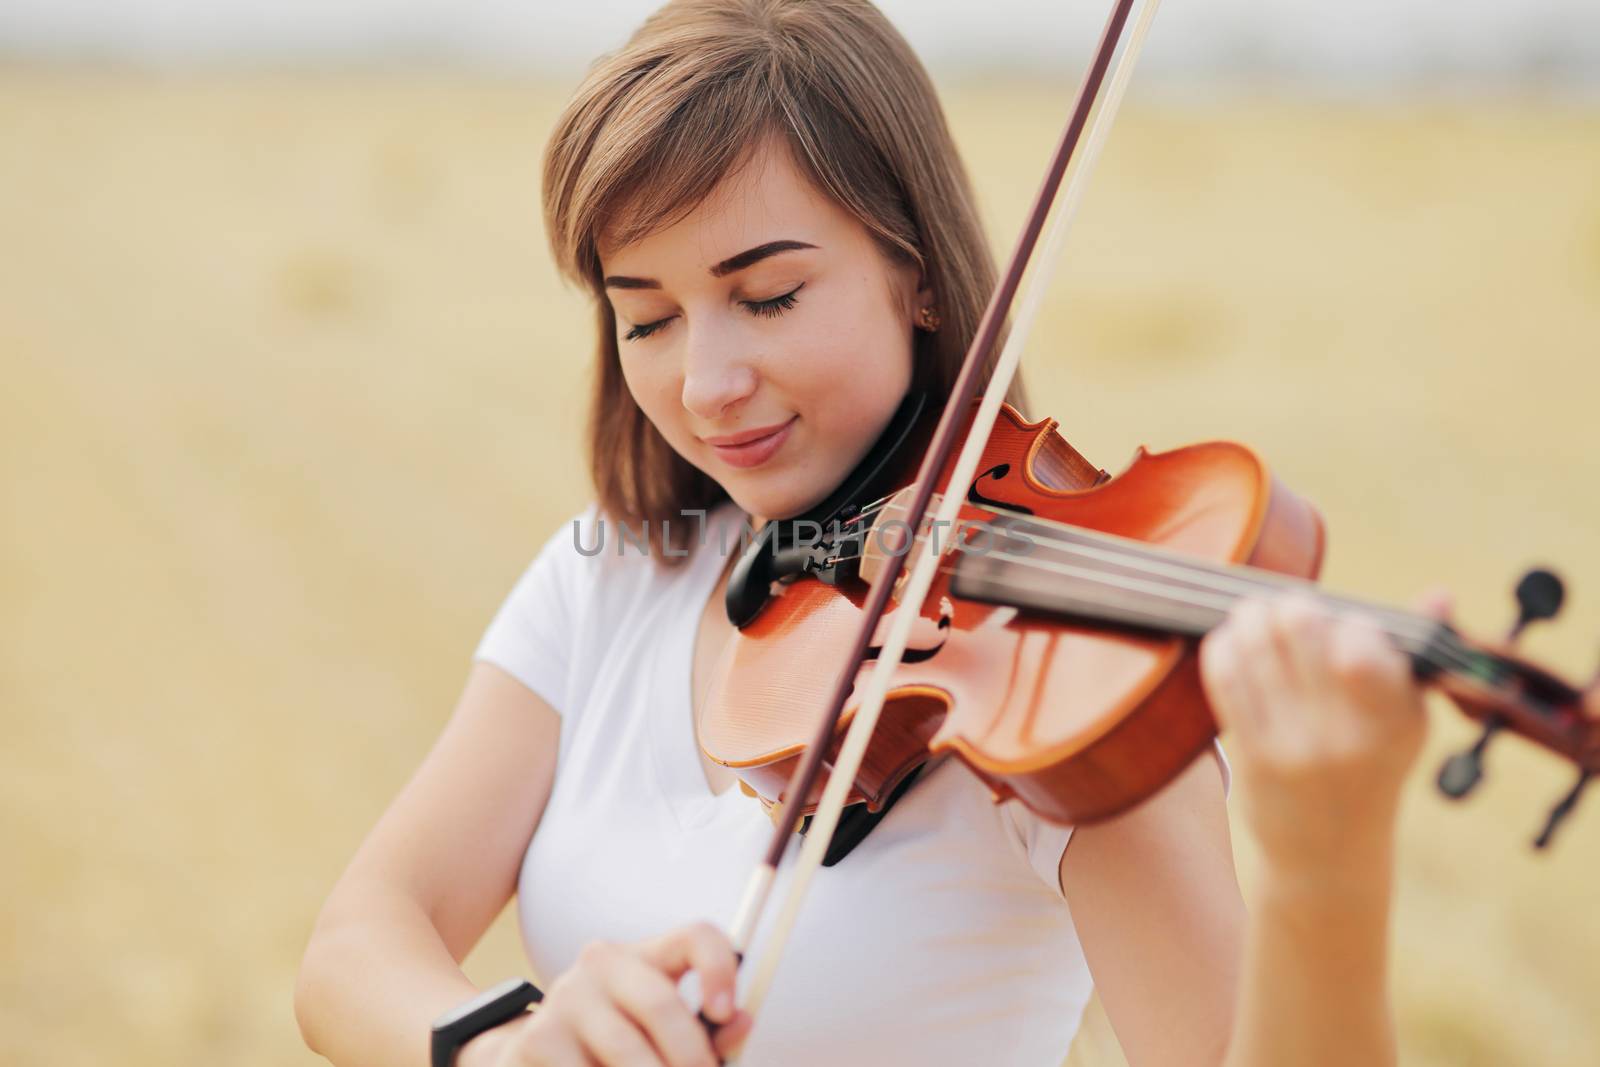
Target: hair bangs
x: 674, y: 132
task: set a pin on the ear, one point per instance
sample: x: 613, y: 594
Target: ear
x: 924, y: 296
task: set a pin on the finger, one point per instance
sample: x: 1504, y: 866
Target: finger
x: 1263, y: 664
x: 732, y: 1035
x: 707, y: 951
x: 652, y: 1001
x: 1362, y: 661
x: 611, y: 1039
x: 1299, y: 626
x: 1222, y: 672
x: 1279, y: 642
x: 1218, y: 677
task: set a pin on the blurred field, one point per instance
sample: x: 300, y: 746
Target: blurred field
x: 291, y: 395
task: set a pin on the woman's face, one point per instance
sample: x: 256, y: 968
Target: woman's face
x: 767, y: 312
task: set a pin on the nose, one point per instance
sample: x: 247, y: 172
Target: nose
x: 717, y: 374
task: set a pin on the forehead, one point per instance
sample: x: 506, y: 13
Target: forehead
x: 767, y: 198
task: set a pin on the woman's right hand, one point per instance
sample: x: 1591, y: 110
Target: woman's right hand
x: 619, y: 1006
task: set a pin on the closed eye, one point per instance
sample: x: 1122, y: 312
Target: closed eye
x: 766, y: 308
x: 776, y: 306
x: 645, y: 329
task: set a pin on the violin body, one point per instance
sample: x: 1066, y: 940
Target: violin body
x: 1077, y: 720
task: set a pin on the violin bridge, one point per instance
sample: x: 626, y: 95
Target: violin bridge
x: 889, y: 536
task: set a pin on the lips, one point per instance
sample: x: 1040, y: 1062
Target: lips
x: 752, y: 447
x: 746, y: 436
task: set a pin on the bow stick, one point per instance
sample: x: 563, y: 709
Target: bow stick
x: 848, y: 761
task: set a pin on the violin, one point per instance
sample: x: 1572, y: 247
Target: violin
x: 1055, y: 654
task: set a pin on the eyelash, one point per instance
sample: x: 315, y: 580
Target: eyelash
x: 776, y: 306
x: 765, y: 308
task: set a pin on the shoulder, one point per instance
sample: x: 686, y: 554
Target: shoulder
x: 611, y: 575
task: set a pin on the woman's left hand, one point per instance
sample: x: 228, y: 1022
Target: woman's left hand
x: 1322, y: 718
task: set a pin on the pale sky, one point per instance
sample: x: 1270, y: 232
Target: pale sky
x: 1340, y: 42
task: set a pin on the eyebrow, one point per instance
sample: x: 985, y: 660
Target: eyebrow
x: 748, y: 258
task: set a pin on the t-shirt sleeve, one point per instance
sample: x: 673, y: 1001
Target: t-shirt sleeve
x: 1042, y: 841
x: 532, y: 634
x: 1045, y: 841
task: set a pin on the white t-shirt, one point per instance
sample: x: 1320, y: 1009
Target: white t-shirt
x: 942, y: 939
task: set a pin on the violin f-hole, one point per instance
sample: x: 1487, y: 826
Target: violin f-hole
x: 997, y: 472
x: 920, y: 655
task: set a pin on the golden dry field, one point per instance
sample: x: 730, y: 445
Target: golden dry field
x: 292, y: 394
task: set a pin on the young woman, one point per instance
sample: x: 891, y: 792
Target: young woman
x: 765, y: 201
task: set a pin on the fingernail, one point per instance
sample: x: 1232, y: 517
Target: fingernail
x: 722, y: 1005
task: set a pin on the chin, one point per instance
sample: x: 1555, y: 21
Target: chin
x: 775, y: 502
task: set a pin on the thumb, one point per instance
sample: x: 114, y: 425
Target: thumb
x: 730, y: 1038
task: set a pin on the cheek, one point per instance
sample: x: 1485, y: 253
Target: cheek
x: 846, y: 374
x: 654, y: 389
x: 855, y: 346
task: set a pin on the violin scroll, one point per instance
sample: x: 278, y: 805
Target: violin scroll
x: 1505, y: 692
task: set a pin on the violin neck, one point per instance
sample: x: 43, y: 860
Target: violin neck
x: 1083, y: 575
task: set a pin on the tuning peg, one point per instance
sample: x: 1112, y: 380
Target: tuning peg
x: 1562, y: 809
x: 1539, y: 596
x: 1461, y: 772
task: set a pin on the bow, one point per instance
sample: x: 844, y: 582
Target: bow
x: 759, y: 887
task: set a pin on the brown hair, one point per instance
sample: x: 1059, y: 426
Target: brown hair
x: 655, y: 126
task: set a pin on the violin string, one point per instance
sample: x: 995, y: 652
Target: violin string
x: 1444, y: 655
x: 1144, y: 551
x: 1424, y: 639
x: 1437, y: 649
x: 1427, y: 640
x: 1416, y: 635
x: 1438, y: 655
x: 1222, y: 577
x: 1119, y: 550
x: 1413, y: 633
x: 1239, y: 581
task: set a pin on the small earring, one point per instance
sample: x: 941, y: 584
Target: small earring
x: 928, y: 319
